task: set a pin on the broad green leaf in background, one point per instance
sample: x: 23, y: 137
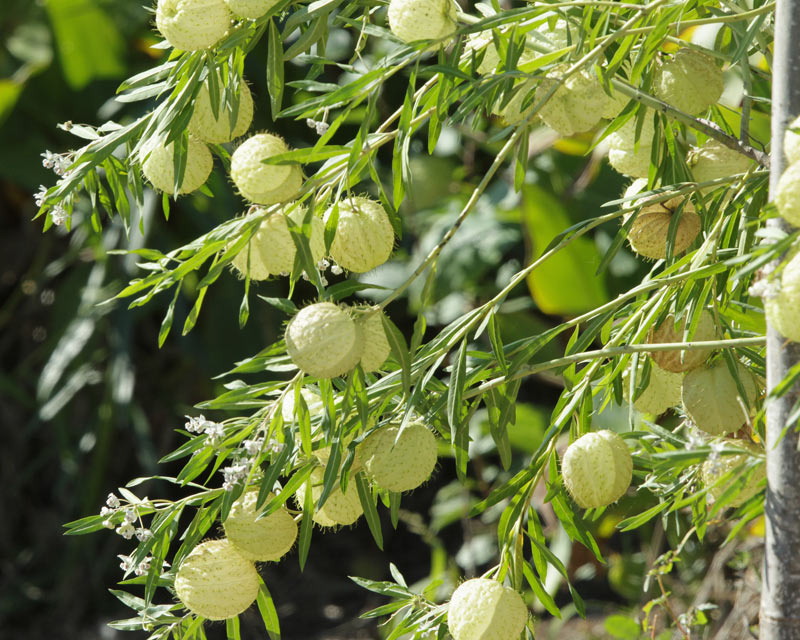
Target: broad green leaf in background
x: 89, y: 44
x: 9, y: 93
x: 564, y: 284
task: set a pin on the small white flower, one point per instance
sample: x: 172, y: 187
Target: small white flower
x: 112, y: 501
x: 323, y: 264
x: 126, y: 530
x: 48, y: 159
x: 321, y: 128
x: 274, y: 446
x: 58, y: 215
x: 105, y: 511
x: 108, y: 524
x: 195, y: 424
x: 252, y: 447
x: 144, y: 567
x: 336, y: 270
x: 130, y: 515
x: 214, y: 432
x: 233, y: 475
x: 305, y: 276
x: 39, y: 196
x: 143, y: 534
x: 126, y: 564
x: 284, y: 274
x: 324, y: 281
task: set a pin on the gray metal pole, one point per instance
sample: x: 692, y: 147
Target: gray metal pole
x: 780, y: 594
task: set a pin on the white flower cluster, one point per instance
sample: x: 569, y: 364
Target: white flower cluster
x: 141, y: 569
x: 237, y: 472
x: 213, y: 430
x: 320, y: 127
x: 58, y: 163
x: 127, y: 529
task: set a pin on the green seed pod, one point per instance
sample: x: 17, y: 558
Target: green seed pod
x: 412, y: 20
x: 714, y: 160
x: 376, y: 346
x: 791, y: 142
x: 190, y: 25
x: 691, y: 81
x: 513, y: 112
x: 364, y: 235
x: 712, y: 400
x: 623, y: 153
x: 267, y: 539
x: 323, y: 340
x: 215, y: 581
x: 399, y: 464
x: 663, y: 391
x: 682, y: 360
x: 250, y: 9
x: 483, y: 609
x: 217, y: 130
x: 787, y: 194
x: 272, y: 250
x: 576, y: 106
x: 597, y: 469
x: 264, y: 183
x: 159, y: 166
x: 340, y: 508
x: 783, y: 309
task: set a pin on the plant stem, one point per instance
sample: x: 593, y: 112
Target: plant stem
x: 780, y: 606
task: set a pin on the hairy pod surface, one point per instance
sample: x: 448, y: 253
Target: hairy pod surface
x: 250, y: 9
x: 340, y: 508
x: 712, y: 399
x: 783, y: 309
x: 714, y: 160
x: 399, y: 463
x: 597, y: 469
x: 791, y: 141
x: 215, y: 581
x: 649, y: 233
x: 271, y: 251
x: 364, y: 235
x: 376, y: 347
x: 159, y: 167
x: 691, y: 81
x: 680, y: 360
x: 217, y: 130
x: 190, y: 25
x: 663, y: 391
x: 323, y: 340
x: 267, y: 539
x: 787, y: 194
x: 625, y: 155
x: 264, y: 183
x: 576, y: 106
x: 412, y: 20
x: 483, y: 609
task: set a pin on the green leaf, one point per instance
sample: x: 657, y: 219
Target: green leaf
x: 370, y: 511
x: 268, y: 612
x: 565, y: 283
x: 166, y: 324
x: 399, y: 350
x: 89, y: 44
x: 275, y: 81
x: 232, y: 628
x: 622, y: 627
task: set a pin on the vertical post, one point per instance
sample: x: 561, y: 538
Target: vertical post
x: 780, y: 592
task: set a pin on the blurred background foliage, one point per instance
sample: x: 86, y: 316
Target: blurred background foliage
x: 88, y: 401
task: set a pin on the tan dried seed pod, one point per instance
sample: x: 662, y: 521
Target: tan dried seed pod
x: 687, y: 359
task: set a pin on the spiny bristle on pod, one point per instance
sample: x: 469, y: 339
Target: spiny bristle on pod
x: 190, y: 25
x: 691, y: 81
x: 376, y: 345
x: 712, y: 399
x: 412, y: 20
x: 217, y: 129
x: 340, y: 508
x: 364, y: 236
x: 399, y: 460
x: 323, y: 340
x: 716, y: 466
x: 264, y: 183
x: 484, y: 609
x: 714, y: 160
x: 159, y: 166
x: 271, y: 250
x: 678, y: 360
x: 250, y: 9
x: 663, y: 391
x: 215, y: 581
x: 259, y: 540
x: 783, y: 308
x: 576, y: 106
x: 597, y: 469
